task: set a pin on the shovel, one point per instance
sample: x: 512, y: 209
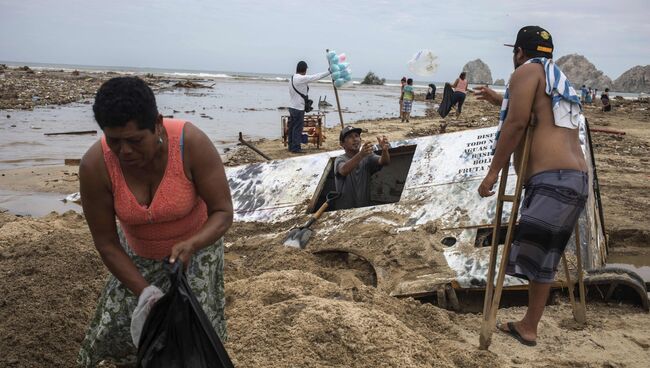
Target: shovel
x: 299, y: 236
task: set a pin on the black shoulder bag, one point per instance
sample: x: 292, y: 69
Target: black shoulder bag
x: 308, y: 102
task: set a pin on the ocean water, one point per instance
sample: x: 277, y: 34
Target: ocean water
x: 253, y: 105
x: 250, y: 103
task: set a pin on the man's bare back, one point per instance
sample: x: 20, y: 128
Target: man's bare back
x: 553, y: 147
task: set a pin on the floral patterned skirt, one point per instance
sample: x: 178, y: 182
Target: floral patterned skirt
x: 109, y: 336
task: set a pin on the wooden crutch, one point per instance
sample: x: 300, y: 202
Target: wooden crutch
x: 579, y: 310
x: 492, y: 294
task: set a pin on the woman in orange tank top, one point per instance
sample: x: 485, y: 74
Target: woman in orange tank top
x: 164, y: 183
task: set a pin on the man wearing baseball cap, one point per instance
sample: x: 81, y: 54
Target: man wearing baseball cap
x: 539, y: 96
x: 535, y: 40
x: 354, y: 168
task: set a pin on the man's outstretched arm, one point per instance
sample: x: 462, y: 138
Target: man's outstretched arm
x: 309, y: 78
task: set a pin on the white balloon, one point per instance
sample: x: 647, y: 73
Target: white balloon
x: 423, y: 63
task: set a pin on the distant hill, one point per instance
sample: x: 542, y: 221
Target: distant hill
x: 478, y: 72
x: 581, y: 71
x: 635, y: 80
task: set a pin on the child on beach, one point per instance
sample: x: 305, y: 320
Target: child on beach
x: 407, y: 100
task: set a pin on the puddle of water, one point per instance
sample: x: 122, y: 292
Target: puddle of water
x: 35, y: 204
x: 639, y: 263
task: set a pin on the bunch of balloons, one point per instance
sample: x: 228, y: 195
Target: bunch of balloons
x: 340, y: 69
x: 423, y: 63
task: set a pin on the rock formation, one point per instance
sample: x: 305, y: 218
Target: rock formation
x: 635, y: 80
x: 373, y: 79
x: 478, y: 72
x: 581, y: 71
x: 499, y: 82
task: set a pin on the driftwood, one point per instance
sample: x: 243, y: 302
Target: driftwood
x: 79, y: 132
x: 608, y: 131
x: 241, y: 139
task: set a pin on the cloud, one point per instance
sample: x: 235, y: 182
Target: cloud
x: 262, y: 36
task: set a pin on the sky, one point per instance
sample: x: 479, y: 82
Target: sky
x: 272, y: 36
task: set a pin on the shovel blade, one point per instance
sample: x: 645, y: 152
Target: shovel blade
x: 291, y: 240
x: 298, y: 238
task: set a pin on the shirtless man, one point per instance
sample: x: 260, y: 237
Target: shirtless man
x: 556, y: 179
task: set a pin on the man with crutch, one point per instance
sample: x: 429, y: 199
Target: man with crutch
x: 538, y: 97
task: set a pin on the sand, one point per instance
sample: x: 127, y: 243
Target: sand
x: 293, y: 308
x: 288, y: 308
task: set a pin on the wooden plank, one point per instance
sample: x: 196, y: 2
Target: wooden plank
x: 78, y: 132
x: 608, y: 131
x: 241, y: 139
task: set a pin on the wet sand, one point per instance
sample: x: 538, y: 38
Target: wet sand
x: 289, y: 308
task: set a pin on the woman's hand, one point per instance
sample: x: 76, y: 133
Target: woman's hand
x: 182, y: 251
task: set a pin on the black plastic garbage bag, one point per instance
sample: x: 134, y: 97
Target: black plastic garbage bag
x: 446, y: 103
x: 177, y: 333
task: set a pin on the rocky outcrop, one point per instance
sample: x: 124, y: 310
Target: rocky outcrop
x: 372, y: 79
x: 499, y: 82
x: 581, y: 71
x: 635, y: 80
x: 478, y: 72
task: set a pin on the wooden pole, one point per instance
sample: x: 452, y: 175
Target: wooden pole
x: 79, y: 132
x: 569, y: 284
x: 336, y: 93
x: 241, y: 139
x: 596, y: 186
x: 581, y: 312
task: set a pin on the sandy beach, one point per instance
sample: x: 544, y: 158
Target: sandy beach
x: 293, y: 308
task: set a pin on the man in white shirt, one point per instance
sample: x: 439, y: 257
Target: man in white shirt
x: 298, y: 90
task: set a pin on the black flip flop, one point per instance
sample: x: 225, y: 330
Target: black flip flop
x: 512, y: 331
